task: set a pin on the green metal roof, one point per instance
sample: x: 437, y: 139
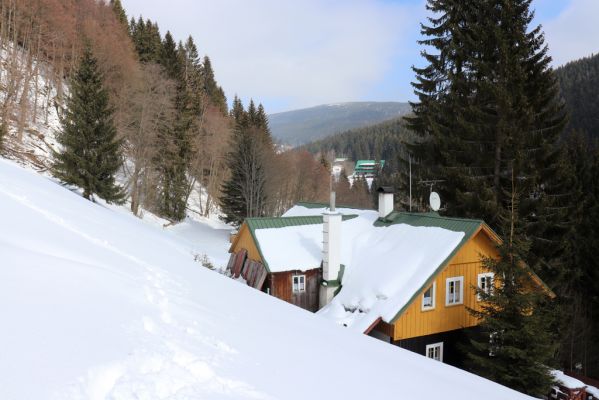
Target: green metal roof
x: 361, y: 167
x: 282, y: 222
x: 431, y: 219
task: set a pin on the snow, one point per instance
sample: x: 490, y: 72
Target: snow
x: 300, y: 247
x: 302, y: 211
x: 97, y: 304
x: 567, y: 381
x: 383, y: 268
x: 573, y: 383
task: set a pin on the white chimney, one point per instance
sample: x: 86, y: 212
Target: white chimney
x: 331, y: 253
x: 385, y: 200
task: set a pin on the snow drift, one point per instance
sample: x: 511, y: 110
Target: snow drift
x: 98, y: 305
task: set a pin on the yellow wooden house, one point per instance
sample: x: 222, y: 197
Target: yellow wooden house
x: 405, y: 278
x: 436, y: 315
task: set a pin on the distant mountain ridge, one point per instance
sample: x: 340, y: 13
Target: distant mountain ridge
x: 306, y: 125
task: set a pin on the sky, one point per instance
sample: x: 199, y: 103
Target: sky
x: 294, y: 54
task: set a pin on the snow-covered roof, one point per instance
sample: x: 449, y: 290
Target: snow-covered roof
x: 97, y: 305
x: 386, y: 262
x: 306, y: 209
x: 573, y: 383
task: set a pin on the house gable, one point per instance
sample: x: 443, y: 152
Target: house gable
x: 244, y: 240
x: 466, y: 263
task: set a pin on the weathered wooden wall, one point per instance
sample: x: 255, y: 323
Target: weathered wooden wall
x: 254, y: 272
x: 281, y: 286
x: 245, y: 256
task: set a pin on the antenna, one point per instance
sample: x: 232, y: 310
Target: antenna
x: 435, y: 201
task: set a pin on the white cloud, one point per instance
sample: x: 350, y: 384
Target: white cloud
x: 574, y: 33
x: 301, y: 53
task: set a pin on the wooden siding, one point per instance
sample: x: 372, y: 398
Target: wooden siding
x: 280, y: 285
x: 244, y: 240
x: 467, y: 263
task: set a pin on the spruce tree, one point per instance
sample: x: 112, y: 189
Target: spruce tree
x: 174, y: 141
x: 146, y: 39
x: 486, y: 97
x: 489, y: 114
x: 578, y: 277
x: 214, y: 92
x: 447, y: 143
x: 244, y: 193
x: 91, y: 153
x: 119, y: 11
x: 514, y: 345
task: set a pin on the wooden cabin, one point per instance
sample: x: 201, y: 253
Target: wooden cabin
x: 405, y: 278
x: 436, y: 315
x: 294, y: 283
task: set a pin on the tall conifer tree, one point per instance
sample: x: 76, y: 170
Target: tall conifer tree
x: 244, y: 193
x: 214, y: 92
x: 514, y: 345
x: 486, y: 97
x: 174, y: 144
x: 91, y: 153
x: 488, y: 109
x: 118, y: 9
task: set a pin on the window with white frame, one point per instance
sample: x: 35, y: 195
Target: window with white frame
x: 454, y: 291
x: 485, y: 283
x: 428, y: 298
x: 299, y: 283
x: 435, y: 351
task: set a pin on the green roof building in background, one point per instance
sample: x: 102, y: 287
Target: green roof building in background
x: 368, y: 168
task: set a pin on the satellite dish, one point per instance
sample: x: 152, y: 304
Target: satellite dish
x: 435, y: 201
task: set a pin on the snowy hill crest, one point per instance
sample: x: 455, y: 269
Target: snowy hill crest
x: 103, y: 306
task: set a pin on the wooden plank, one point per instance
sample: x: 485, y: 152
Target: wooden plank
x: 261, y: 278
x: 253, y: 274
x: 239, y: 261
x: 231, y: 261
x: 245, y: 271
x: 371, y: 327
x: 281, y: 285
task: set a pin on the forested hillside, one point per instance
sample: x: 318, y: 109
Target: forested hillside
x: 299, y: 127
x: 125, y: 112
x: 579, y: 84
x: 384, y: 141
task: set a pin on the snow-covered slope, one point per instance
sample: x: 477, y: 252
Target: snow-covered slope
x: 96, y: 304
